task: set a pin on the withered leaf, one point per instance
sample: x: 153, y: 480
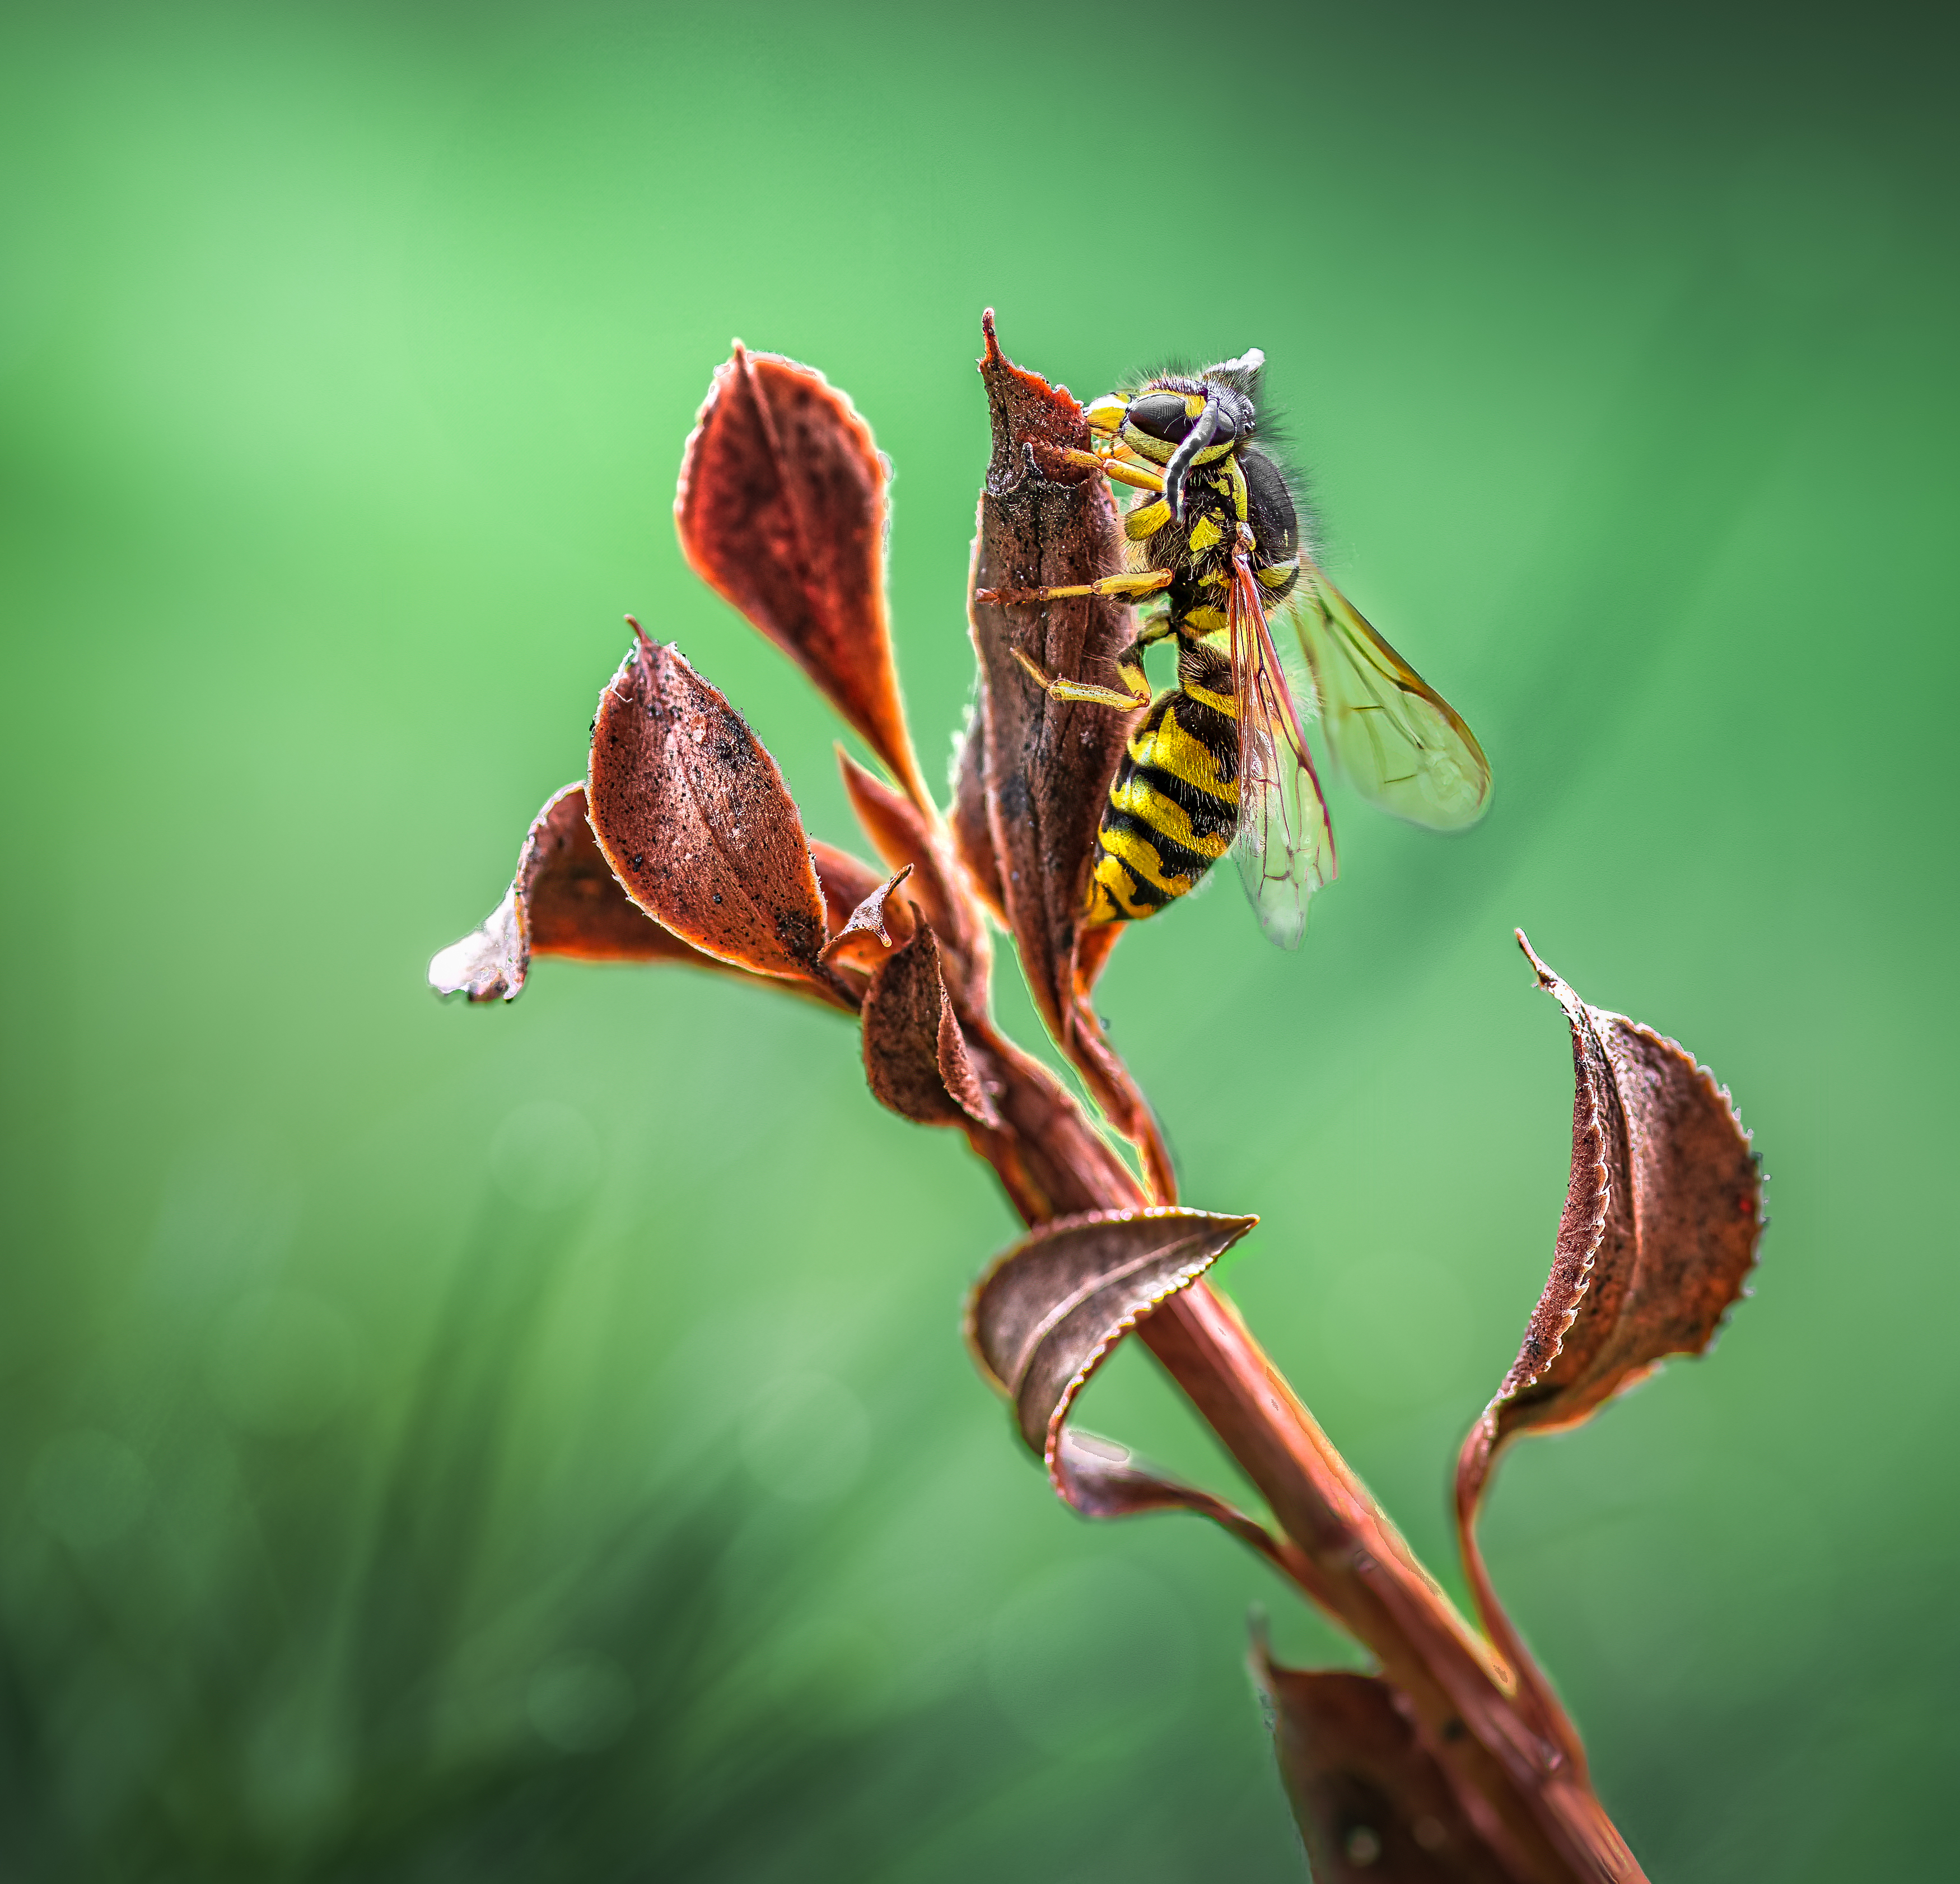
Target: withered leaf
x: 864, y: 936
x: 915, y: 1058
x: 1045, y: 1317
x: 782, y: 508
x: 972, y: 834
x: 564, y: 900
x: 695, y: 819
x: 904, y: 835
x: 1662, y: 1213
x: 1047, y: 521
x: 1049, y: 764
x: 845, y: 880
x: 1373, y: 1804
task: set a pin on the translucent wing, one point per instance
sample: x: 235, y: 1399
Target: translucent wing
x: 1285, y: 843
x: 1393, y: 734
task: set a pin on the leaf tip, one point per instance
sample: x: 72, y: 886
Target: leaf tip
x: 489, y: 963
x: 1546, y: 977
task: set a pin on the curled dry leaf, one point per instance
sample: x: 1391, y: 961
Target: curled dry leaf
x: 782, y: 508
x: 1045, y: 1317
x: 564, y: 900
x: 695, y: 821
x: 1373, y: 1804
x: 915, y: 1058
x: 1663, y: 1211
x: 972, y: 835
x: 905, y: 835
x: 1047, y: 764
x: 863, y: 937
x: 846, y: 882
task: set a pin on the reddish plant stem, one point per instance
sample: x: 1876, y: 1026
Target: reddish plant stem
x: 1521, y: 1789
x: 1528, y: 1798
x: 1536, y: 1696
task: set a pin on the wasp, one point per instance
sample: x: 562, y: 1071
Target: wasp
x: 1219, y: 761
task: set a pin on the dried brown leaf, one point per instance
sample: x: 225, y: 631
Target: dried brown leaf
x: 564, y: 900
x: 1663, y: 1211
x: 865, y: 935
x: 915, y: 1056
x: 845, y: 880
x: 1047, y: 521
x: 782, y: 508
x: 1373, y: 1804
x: 694, y: 818
x: 1045, y: 1317
x: 1662, y: 1214
x: 903, y: 834
x: 972, y: 834
x: 1048, y: 763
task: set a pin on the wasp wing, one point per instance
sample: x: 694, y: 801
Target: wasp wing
x: 1285, y: 842
x: 1404, y: 746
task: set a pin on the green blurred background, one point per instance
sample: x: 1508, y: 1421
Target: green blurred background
x: 536, y: 1443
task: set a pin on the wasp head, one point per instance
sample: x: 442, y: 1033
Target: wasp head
x: 1179, y: 420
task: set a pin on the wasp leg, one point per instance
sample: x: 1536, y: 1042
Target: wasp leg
x: 1120, y: 469
x: 1081, y: 689
x: 1129, y: 669
x: 1145, y: 582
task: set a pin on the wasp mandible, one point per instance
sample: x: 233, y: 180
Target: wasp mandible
x: 1220, y: 760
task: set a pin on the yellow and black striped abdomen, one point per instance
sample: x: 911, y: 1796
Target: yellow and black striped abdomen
x: 1173, y: 807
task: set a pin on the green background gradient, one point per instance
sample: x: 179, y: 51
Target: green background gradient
x: 536, y: 1443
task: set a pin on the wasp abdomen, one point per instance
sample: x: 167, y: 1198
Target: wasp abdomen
x: 1173, y: 807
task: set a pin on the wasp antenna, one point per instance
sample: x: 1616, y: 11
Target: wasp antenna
x: 1195, y: 441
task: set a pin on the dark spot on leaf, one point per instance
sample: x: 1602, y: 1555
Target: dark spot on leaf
x: 798, y: 934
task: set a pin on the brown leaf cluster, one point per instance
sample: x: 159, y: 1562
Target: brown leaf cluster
x: 1454, y: 1760
x: 685, y: 845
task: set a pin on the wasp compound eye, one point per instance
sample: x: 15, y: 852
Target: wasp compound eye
x: 1164, y: 415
